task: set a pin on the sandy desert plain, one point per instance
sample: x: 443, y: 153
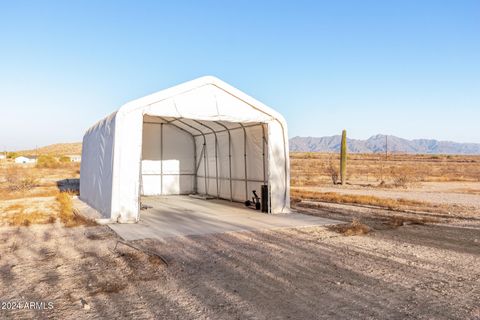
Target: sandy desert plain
x: 408, y: 248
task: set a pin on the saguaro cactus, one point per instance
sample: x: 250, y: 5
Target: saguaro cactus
x: 343, y: 158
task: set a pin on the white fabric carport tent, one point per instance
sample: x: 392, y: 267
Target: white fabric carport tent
x: 125, y: 154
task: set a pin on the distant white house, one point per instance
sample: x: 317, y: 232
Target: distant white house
x: 75, y: 158
x: 2, y: 156
x: 24, y: 160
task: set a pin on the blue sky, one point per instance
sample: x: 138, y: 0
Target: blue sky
x: 408, y: 68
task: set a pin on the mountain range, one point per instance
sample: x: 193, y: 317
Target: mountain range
x: 377, y: 143
x: 373, y: 144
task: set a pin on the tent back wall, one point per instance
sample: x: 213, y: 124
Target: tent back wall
x: 239, y: 159
x: 167, y: 160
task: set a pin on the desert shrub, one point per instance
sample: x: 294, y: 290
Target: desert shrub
x: 334, y: 197
x: 65, y: 206
x: 401, y: 181
x: 398, y: 221
x: 17, y: 180
x: 11, y: 175
x: 12, y: 155
x: 64, y: 159
x: 333, y: 173
x: 46, y: 161
x: 26, y: 183
x: 19, y: 215
x: 67, y: 214
x: 355, y: 228
x: 400, y: 177
x: 379, y: 172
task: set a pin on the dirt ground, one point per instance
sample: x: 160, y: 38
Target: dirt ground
x: 412, y: 265
x: 28, y: 194
x: 397, y: 272
x: 459, y: 197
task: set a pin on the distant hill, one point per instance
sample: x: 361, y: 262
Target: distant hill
x: 377, y: 144
x: 56, y: 149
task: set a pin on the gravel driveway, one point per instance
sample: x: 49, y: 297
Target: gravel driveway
x: 409, y: 272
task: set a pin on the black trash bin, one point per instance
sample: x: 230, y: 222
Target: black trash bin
x: 264, y: 198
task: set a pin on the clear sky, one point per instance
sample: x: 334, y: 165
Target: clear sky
x: 407, y: 68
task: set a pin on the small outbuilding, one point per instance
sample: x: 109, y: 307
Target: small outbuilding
x: 74, y: 157
x: 202, y: 137
x: 25, y: 160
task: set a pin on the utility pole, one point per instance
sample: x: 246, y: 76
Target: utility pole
x: 386, y: 147
x: 343, y: 158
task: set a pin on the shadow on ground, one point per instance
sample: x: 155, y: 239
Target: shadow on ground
x: 310, y: 273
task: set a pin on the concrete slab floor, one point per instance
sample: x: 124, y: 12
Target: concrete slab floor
x: 172, y: 216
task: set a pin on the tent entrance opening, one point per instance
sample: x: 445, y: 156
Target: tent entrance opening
x: 213, y: 159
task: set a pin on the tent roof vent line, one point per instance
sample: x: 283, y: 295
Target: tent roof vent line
x: 186, y: 87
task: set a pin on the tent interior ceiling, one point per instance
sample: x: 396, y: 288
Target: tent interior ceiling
x: 197, y: 127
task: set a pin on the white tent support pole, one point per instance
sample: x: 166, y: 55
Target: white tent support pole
x: 173, y: 174
x: 168, y: 121
x: 197, y: 165
x: 205, y: 165
x: 229, y: 156
x: 172, y: 124
x: 263, y: 155
x: 235, y: 179
x: 216, y: 153
x: 140, y: 177
x: 204, y: 149
x: 245, y: 159
x: 161, y: 159
x: 233, y: 129
x: 195, y: 187
x: 194, y: 148
x: 164, y: 121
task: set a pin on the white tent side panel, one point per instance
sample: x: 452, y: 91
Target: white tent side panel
x: 279, y: 168
x: 126, y: 167
x: 96, y: 168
